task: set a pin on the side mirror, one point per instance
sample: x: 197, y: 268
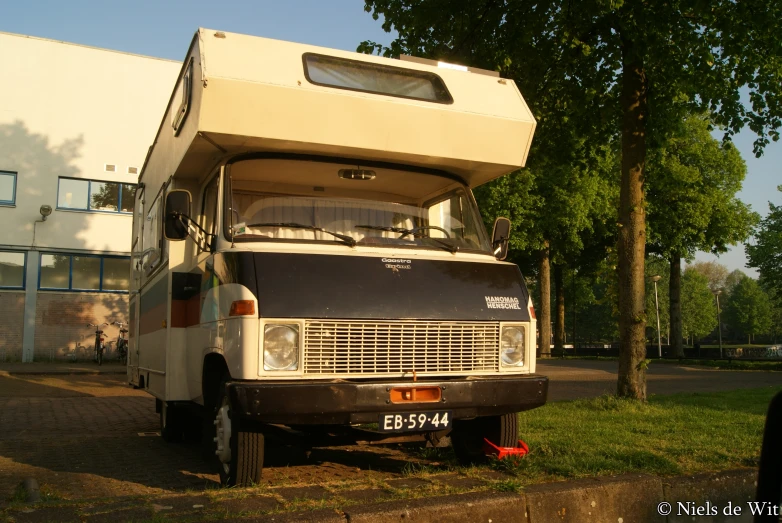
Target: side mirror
x: 499, y: 238
x: 177, y: 214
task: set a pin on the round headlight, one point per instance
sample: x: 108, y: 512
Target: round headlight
x: 281, y: 347
x: 512, y: 346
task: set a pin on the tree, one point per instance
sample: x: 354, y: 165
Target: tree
x: 732, y: 280
x: 598, y: 69
x: 749, y: 308
x: 716, y: 274
x: 699, y: 310
x: 766, y: 253
x: 693, y: 181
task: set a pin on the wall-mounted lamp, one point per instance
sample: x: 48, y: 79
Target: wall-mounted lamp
x: 45, y: 211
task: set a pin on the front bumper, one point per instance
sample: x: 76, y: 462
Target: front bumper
x: 343, y: 402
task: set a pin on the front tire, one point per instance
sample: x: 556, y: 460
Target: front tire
x: 467, y: 436
x: 239, y: 450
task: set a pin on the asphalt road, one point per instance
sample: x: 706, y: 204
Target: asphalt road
x: 574, y: 379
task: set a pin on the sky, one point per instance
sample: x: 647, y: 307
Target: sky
x: 164, y: 29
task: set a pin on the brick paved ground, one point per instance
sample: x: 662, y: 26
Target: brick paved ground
x: 79, y: 435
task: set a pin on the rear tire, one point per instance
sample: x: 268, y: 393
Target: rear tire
x: 241, y: 462
x: 467, y: 436
x: 172, y: 423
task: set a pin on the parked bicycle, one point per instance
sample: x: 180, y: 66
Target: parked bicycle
x: 122, y: 342
x: 99, y: 340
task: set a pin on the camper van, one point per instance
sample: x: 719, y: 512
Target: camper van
x: 308, y: 257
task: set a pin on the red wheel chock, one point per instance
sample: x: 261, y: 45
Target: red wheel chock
x: 503, y: 452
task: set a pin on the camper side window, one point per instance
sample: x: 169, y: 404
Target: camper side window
x: 182, y: 98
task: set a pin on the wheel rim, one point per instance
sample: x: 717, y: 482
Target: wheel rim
x: 223, y: 434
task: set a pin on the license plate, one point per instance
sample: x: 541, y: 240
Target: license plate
x: 415, y: 421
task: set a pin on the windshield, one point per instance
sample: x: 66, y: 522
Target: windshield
x: 355, y: 205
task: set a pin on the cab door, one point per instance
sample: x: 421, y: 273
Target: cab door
x: 202, y: 336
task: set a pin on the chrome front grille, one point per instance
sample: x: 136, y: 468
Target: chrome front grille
x: 398, y: 347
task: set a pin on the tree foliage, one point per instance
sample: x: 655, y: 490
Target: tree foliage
x: 716, y: 274
x: 699, y: 310
x: 732, y: 280
x: 691, y: 193
x: 766, y: 252
x: 749, y: 308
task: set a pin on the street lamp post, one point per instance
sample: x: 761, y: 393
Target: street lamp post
x: 655, y: 279
x: 719, y: 319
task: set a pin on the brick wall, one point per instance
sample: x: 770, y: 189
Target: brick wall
x: 61, y: 319
x: 11, y: 325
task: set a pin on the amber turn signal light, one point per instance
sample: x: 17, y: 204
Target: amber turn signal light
x: 242, y: 308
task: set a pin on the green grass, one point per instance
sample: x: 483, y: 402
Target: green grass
x: 669, y: 435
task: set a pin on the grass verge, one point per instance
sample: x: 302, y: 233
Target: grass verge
x: 669, y: 435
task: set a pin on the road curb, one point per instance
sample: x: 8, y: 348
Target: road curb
x: 734, y: 487
x: 629, y: 497
x: 623, y: 499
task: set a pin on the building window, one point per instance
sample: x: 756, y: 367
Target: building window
x: 7, y: 188
x: 95, y: 195
x: 12, y: 265
x: 78, y: 272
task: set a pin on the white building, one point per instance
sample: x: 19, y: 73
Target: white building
x: 75, y: 125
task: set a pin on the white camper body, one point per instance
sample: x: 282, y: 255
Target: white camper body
x: 332, y: 238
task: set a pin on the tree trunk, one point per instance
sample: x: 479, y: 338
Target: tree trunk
x: 632, y: 228
x: 675, y: 313
x: 559, y: 320
x: 544, y: 323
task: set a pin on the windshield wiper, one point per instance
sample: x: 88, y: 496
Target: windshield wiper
x: 345, y: 239
x: 405, y: 232
x: 400, y: 230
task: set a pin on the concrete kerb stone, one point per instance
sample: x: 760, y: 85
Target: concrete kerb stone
x: 32, y: 490
x: 457, y: 508
x: 621, y: 499
x: 711, y: 491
